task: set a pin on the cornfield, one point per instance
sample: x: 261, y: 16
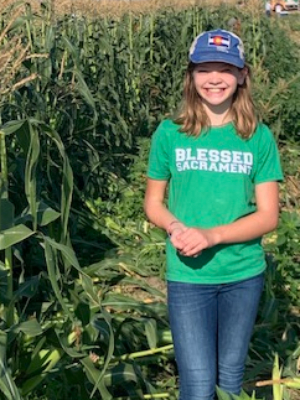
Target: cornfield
x: 83, y: 309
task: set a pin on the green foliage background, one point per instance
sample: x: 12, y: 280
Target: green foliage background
x: 82, y: 293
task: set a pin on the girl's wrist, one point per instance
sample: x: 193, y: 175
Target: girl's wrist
x: 174, y: 225
x: 215, y: 235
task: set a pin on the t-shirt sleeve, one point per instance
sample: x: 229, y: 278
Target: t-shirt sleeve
x: 158, y: 163
x: 269, y: 166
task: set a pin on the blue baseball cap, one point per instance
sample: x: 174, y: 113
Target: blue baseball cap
x: 218, y: 46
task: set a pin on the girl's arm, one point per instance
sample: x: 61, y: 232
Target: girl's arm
x: 255, y: 225
x: 156, y: 210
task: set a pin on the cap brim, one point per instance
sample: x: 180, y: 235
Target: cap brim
x: 217, y: 57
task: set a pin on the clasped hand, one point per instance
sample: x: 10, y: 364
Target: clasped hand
x: 191, y: 241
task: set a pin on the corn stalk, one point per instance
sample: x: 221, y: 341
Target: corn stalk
x: 6, y: 207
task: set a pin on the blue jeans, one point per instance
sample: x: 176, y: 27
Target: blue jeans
x: 211, y: 327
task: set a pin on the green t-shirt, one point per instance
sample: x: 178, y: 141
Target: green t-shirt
x: 212, y: 180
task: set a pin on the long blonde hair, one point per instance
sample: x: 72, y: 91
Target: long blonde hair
x: 193, y: 118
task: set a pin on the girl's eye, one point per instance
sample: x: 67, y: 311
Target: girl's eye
x: 227, y: 70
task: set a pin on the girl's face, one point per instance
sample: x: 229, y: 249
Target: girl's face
x: 216, y: 83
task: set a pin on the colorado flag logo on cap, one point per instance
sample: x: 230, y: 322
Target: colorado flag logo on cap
x: 219, y: 40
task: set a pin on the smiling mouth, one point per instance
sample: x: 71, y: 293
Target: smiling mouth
x: 215, y: 90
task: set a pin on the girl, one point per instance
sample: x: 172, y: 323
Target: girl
x: 222, y: 168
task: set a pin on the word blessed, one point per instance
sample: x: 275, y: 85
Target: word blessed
x: 238, y: 162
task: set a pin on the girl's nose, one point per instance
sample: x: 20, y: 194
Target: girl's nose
x: 215, y: 77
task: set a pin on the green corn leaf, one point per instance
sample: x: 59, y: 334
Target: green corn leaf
x: 30, y: 173
x: 7, y: 211
x: 67, y: 174
x: 7, y: 384
x: 3, y: 286
x: 123, y: 373
x: 82, y: 87
x: 151, y: 333
x: 71, y: 49
x: 66, y: 251
x: 83, y: 313
x: 54, y: 274
x: 95, y: 377
x: 222, y: 395
x: 40, y: 365
x: 293, y: 383
x: 67, y: 192
x: 12, y: 127
x: 84, y: 90
x: 45, y: 215
x: 121, y: 302
x: 90, y: 289
x: 110, y: 351
x: 17, y: 23
x: 244, y: 396
x: 14, y: 235
x: 31, y: 328
x: 296, y: 353
x: 77, y: 378
x: 50, y: 38
x: 66, y: 341
x: 276, y: 375
x: 23, y: 135
x: 26, y: 289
